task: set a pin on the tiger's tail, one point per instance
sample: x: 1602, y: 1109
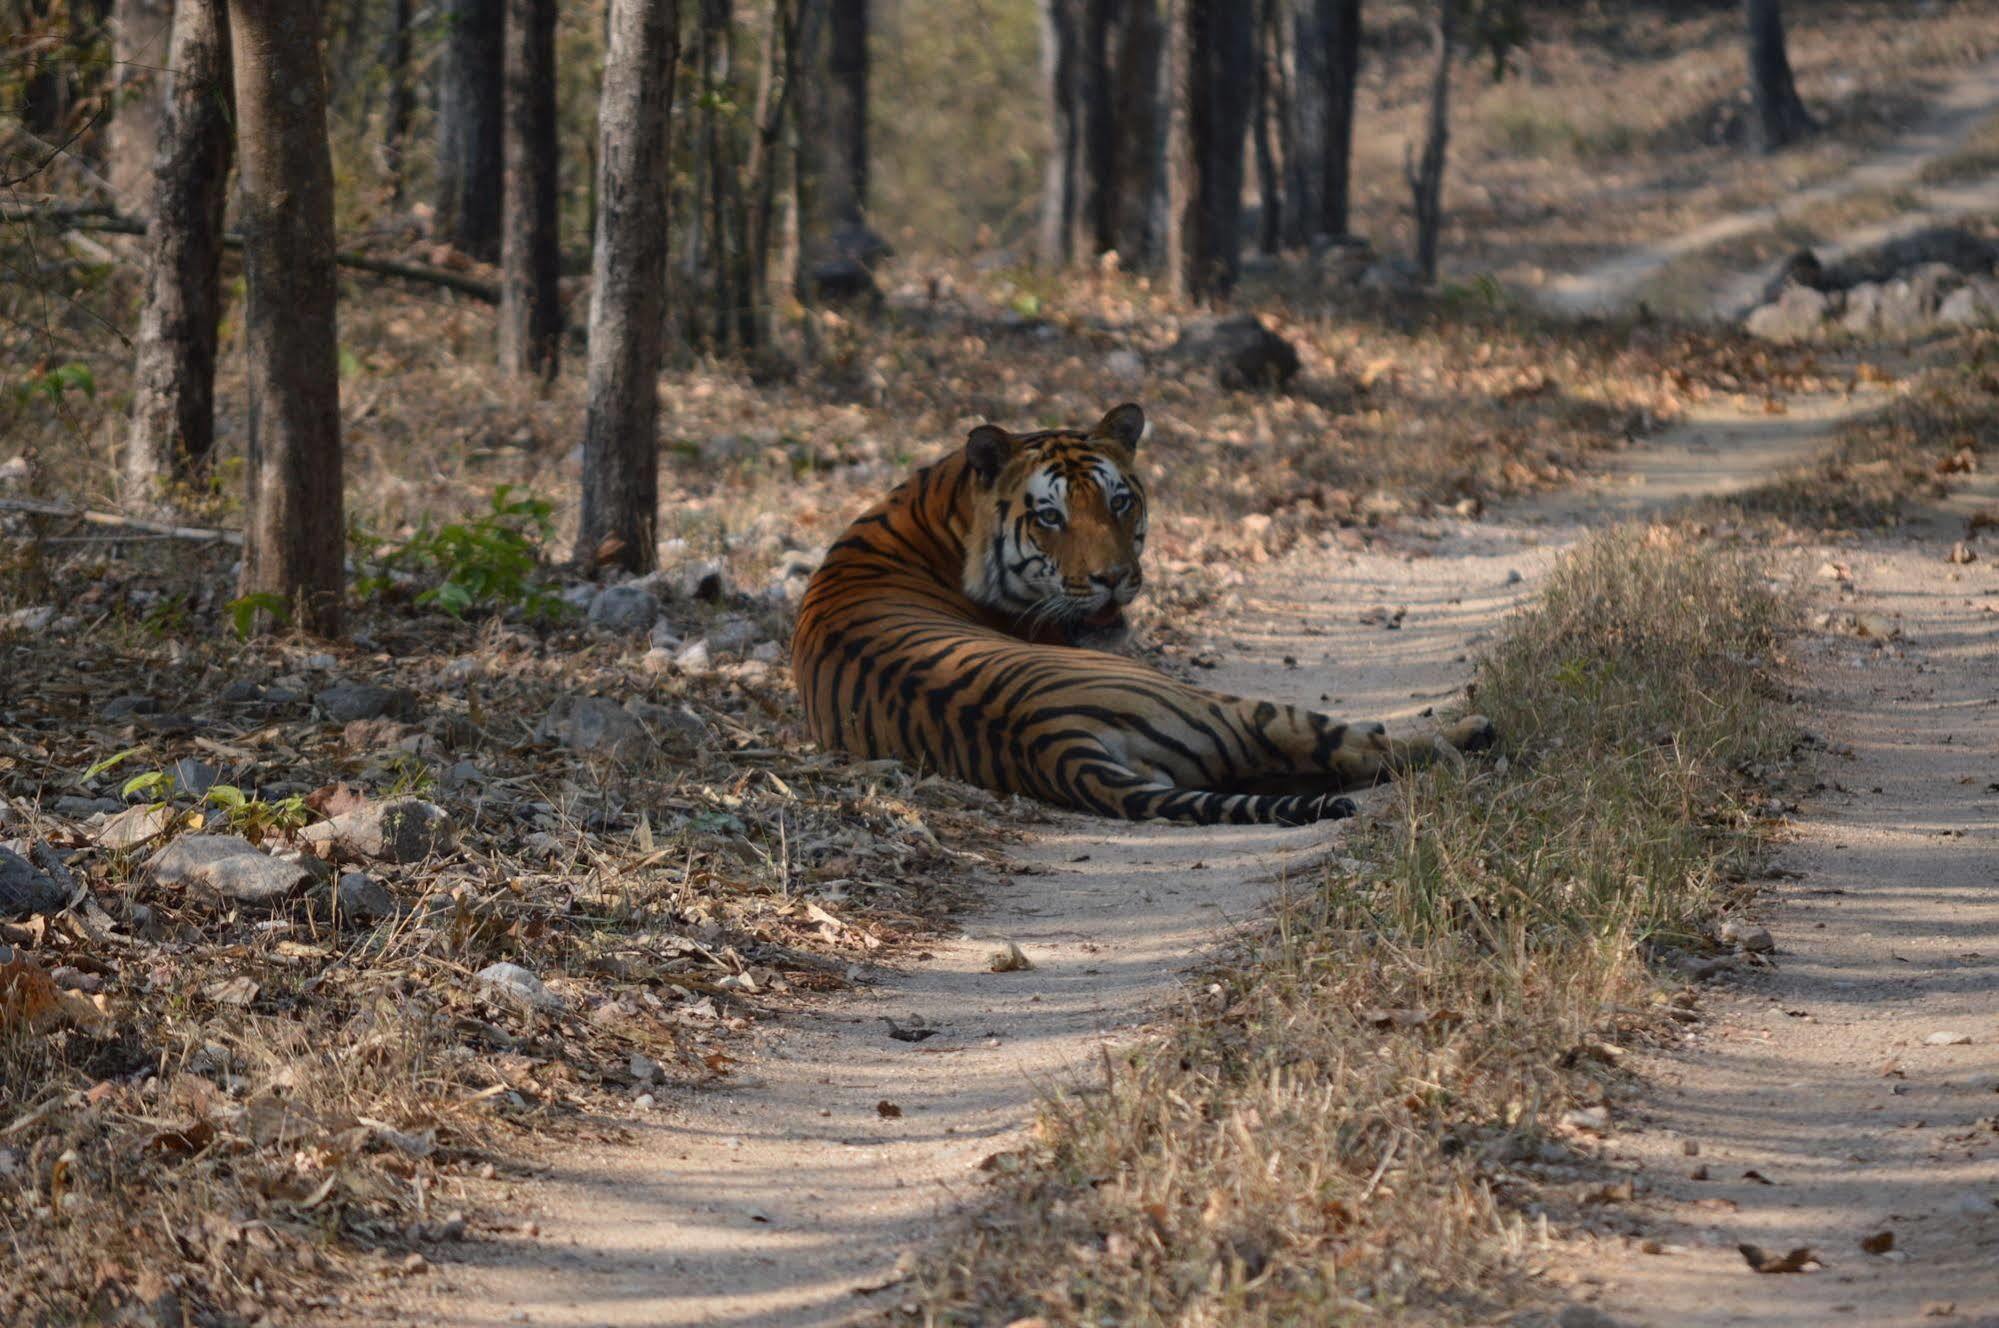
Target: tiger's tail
x: 1206, y: 807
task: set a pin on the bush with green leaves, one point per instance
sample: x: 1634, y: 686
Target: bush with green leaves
x: 492, y: 562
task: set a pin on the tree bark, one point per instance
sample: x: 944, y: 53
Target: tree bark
x: 1138, y: 168
x: 294, y: 528
x: 530, y: 305
x: 847, y: 90
x: 471, y: 149
x: 1426, y: 180
x: 1061, y: 77
x: 402, y: 98
x: 628, y: 288
x: 1339, y: 23
x: 1269, y: 133
x: 1780, y: 117
x: 1211, y: 49
x: 139, y: 36
x: 173, y: 396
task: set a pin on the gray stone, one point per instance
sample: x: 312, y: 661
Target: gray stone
x: 35, y: 618
x: 1244, y: 352
x: 1861, y: 312
x: 26, y: 889
x: 124, y: 707
x: 1974, y: 304
x: 624, y: 609
x: 226, y: 866
x: 1747, y: 936
x: 732, y: 635
x: 1797, y: 315
x: 79, y: 808
x: 399, y: 830
x: 694, y: 656
x: 516, y: 983
x: 193, y: 777
x: 240, y: 692
x: 674, y: 724
x: 1126, y: 366
x: 344, y: 703
x: 767, y: 652
x: 364, y: 898
x: 593, y: 724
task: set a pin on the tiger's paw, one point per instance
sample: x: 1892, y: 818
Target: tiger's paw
x: 1473, y: 733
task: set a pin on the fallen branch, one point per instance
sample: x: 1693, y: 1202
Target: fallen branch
x: 96, y: 218
x: 198, y: 534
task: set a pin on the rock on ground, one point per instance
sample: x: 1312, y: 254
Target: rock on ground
x: 26, y: 889
x: 399, y: 830
x: 1244, y: 351
x: 624, y: 609
x: 348, y: 701
x: 228, y: 867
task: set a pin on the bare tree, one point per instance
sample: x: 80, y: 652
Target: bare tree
x: 628, y: 288
x: 1426, y: 179
x: 471, y: 149
x: 530, y: 304
x: 139, y: 32
x: 1062, y: 77
x: 173, y: 397
x: 294, y: 531
x: 1780, y: 117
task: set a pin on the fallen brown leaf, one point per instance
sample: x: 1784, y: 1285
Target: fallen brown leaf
x: 1795, y: 1261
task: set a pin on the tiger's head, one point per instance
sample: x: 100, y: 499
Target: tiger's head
x: 1058, y: 527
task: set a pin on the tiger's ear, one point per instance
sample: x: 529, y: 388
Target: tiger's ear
x: 987, y: 450
x: 1125, y: 424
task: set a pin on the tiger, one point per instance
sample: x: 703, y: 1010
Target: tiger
x: 964, y: 624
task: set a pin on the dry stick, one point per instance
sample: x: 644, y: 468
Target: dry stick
x: 97, y: 219
x: 198, y: 534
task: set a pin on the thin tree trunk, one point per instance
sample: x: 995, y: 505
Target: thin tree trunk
x: 1138, y: 114
x: 847, y: 85
x: 530, y: 306
x: 139, y: 33
x: 1177, y: 237
x: 173, y: 395
x: 780, y: 98
x: 628, y: 289
x: 1097, y: 200
x: 471, y: 138
x: 1266, y: 125
x: 1780, y: 117
x: 1302, y: 66
x: 1061, y: 77
x: 402, y: 100
x: 294, y: 529
x: 1426, y: 180
x: 1340, y: 23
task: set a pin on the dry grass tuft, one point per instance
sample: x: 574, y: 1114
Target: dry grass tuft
x: 1350, y: 1118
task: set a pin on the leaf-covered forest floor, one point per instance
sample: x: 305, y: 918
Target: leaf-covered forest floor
x: 239, y: 1103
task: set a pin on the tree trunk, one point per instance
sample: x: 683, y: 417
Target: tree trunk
x: 139, y: 35
x: 1097, y: 199
x: 1272, y: 107
x: 1426, y: 180
x: 1213, y: 48
x: 1061, y: 76
x: 1177, y: 179
x: 294, y: 530
x: 1139, y: 167
x: 1339, y: 24
x: 530, y: 306
x: 402, y: 100
x: 628, y: 288
x: 173, y: 395
x: 847, y: 92
x: 471, y: 153
x: 1779, y: 118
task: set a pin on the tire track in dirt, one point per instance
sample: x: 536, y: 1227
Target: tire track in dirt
x: 1824, y: 1076
x: 786, y: 1197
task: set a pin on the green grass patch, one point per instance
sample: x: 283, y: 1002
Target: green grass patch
x: 1346, y: 1120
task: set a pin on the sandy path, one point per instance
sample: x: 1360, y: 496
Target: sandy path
x: 1820, y: 1075
x: 785, y: 1196
x: 1612, y: 284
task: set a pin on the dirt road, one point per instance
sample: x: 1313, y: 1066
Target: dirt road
x: 1853, y: 1090
x: 788, y: 1196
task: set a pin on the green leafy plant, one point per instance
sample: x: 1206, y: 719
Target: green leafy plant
x: 255, y: 817
x: 244, y: 610
x: 489, y: 562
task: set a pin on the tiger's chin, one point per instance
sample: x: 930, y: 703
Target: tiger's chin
x: 1106, y: 629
